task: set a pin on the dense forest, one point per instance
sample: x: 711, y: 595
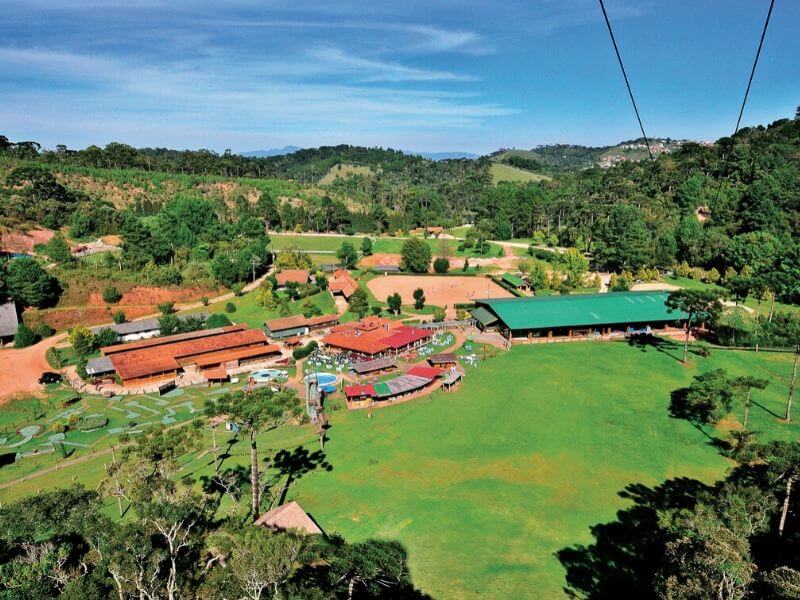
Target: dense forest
x: 732, y: 208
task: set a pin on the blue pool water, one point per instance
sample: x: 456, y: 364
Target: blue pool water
x: 326, y: 381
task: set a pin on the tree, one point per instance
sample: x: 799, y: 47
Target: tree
x: 257, y: 411
x: 439, y: 314
x: 696, y: 304
x: 395, y: 302
x: 310, y: 309
x: 745, y: 385
x: 703, y: 554
x: 111, y: 295
x: 377, y: 567
x: 441, y: 265
x: 707, y: 400
x: 82, y: 340
x: 574, y: 264
x: 30, y: 285
x: 415, y: 255
x: 258, y: 560
x: 264, y: 296
x: 106, y: 337
x: 623, y: 241
x: 538, y: 276
x: 359, y: 302
x: 292, y: 257
x: 58, y: 250
x: 25, y: 336
x: 783, y: 465
x: 419, y: 299
x: 347, y: 255
x: 366, y: 246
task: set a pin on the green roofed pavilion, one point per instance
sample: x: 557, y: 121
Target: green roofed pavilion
x: 581, y: 311
x: 513, y: 280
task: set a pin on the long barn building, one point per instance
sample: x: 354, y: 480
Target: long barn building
x: 577, y: 315
x: 155, y: 359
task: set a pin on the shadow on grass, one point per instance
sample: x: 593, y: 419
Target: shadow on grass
x: 668, y: 347
x: 765, y: 409
x: 627, y: 553
x: 297, y: 463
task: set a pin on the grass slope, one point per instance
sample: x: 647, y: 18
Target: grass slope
x: 483, y: 486
x: 503, y: 172
x: 343, y: 171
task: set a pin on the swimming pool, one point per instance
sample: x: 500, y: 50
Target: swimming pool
x: 326, y: 381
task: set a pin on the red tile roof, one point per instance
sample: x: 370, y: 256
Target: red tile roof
x: 343, y: 282
x: 295, y: 275
x: 423, y: 371
x: 283, y: 323
x: 405, y: 336
x: 170, y: 339
x: 359, y: 391
x: 144, y: 362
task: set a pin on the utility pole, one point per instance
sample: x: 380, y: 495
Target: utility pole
x: 254, y: 262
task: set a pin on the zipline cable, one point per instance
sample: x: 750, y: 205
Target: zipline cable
x: 627, y: 82
x: 726, y: 157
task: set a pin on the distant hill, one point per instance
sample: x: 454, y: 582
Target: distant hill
x: 445, y: 155
x: 567, y: 157
x: 271, y: 152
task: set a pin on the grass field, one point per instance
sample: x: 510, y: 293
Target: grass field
x: 502, y: 172
x: 324, y: 243
x: 247, y: 311
x: 483, y: 486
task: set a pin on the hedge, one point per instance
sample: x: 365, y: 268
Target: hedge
x: 303, y: 351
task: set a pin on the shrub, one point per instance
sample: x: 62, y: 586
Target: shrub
x: 230, y: 307
x: 303, y: 351
x: 92, y: 423
x: 72, y: 420
x: 53, y: 357
x: 166, y: 308
x: 111, y: 295
x: 439, y: 314
x: 310, y: 309
x: 237, y: 289
x: 58, y: 427
x: 106, y: 337
x: 44, y: 331
x: 376, y: 310
x: 217, y: 320
x: 167, y: 275
x: 118, y: 317
x: 204, y: 301
x: 465, y: 268
x: 441, y: 265
x: 25, y: 336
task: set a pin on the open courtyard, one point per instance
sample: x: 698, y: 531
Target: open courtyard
x: 442, y: 290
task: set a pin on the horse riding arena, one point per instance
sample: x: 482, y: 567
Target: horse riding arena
x: 439, y: 290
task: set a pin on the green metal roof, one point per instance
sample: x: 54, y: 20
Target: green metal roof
x: 485, y: 317
x: 382, y: 389
x: 582, y: 310
x: 513, y: 280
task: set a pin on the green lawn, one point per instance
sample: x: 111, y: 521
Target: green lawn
x: 247, y: 311
x: 279, y: 241
x: 387, y: 245
x: 484, y: 485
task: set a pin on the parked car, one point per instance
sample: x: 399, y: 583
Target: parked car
x: 50, y: 377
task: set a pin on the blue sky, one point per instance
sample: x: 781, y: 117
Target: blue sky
x: 422, y: 75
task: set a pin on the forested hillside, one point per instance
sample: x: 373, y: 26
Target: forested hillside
x: 731, y: 206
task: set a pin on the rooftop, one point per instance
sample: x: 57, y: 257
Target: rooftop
x: 8, y: 319
x: 294, y: 275
x: 289, y: 516
x: 343, y: 282
x: 580, y: 310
